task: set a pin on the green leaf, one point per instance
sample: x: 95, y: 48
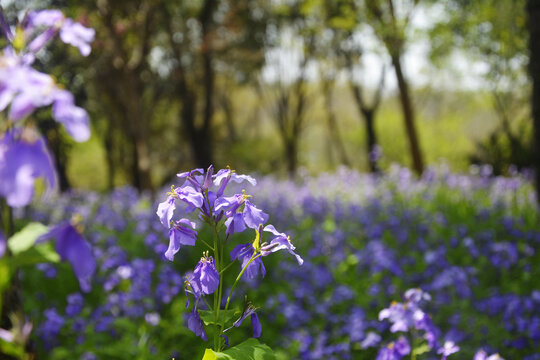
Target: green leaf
x: 42, y: 253
x: 208, y: 316
x: 250, y: 349
x: 421, y: 349
x: 24, y: 239
x: 13, y: 349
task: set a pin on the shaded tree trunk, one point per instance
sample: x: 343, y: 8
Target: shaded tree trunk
x: 533, y: 7
x: 333, y: 130
x: 368, y: 113
x: 408, y: 115
x: 227, y: 107
x: 58, y: 149
x: 291, y: 151
x: 369, y: 117
x: 109, y: 158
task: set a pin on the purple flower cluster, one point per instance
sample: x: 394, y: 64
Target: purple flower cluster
x: 205, y: 192
x: 24, y: 156
x: 365, y: 242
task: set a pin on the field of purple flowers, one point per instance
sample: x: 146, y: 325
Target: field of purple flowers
x: 394, y: 267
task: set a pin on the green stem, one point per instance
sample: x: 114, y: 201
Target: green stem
x: 413, y: 348
x: 216, y: 297
x: 225, y: 268
x: 253, y: 257
x: 205, y: 243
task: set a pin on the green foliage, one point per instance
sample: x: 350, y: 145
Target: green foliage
x: 225, y: 317
x: 26, y: 252
x: 248, y: 350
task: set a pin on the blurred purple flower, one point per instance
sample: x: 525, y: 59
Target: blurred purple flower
x: 72, y: 247
x: 75, y: 34
x: 395, y: 350
x: 448, y: 348
x: 371, y: 339
x: 2, y: 244
x: 23, y: 158
x: 74, y: 118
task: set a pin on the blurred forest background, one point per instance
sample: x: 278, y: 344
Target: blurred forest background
x: 277, y: 86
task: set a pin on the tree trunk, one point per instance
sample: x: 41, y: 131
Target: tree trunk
x: 331, y: 122
x: 369, y: 117
x: 408, y: 116
x: 109, y: 158
x: 227, y: 107
x: 534, y: 69
x: 138, y: 121
x: 291, y: 152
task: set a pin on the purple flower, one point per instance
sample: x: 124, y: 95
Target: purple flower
x: 75, y: 34
x: 5, y: 29
x: 205, y: 275
x: 191, y: 286
x: 23, y: 158
x: 165, y: 211
x: 255, y: 323
x: 229, y: 204
x: 46, y: 17
x: 195, y: 324
x: 414, y: 296
x: 190, y: 196
x: 395, y: 350
x: 279, y: 242
x: 71, y: 32
x: 75, y: 304
x: 235, y: 224
x: 398, y: 315
x: 482, y: 355
x: 2, y: 244
x: 180, y: 234
x: 244, y: 253
x: 253, y: 217
x: 72, y: 247
x: 223, y: 177
x: 27, y: 89
x: 74, y: 118
x: 371, y: 339
x: 152, y: 318
x: 448, y: 348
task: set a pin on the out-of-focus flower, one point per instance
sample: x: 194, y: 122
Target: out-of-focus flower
x: 482, y: 355
x: 54, y: 21
x: 23, y: 158
x: 152, y: 318
x: 395, y: 350
x: 371, y: 339
x: 75, y: 34
x: 74, y: 118
x: 448, y: 348
x: 72, y: 247
x: 2, y: 244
